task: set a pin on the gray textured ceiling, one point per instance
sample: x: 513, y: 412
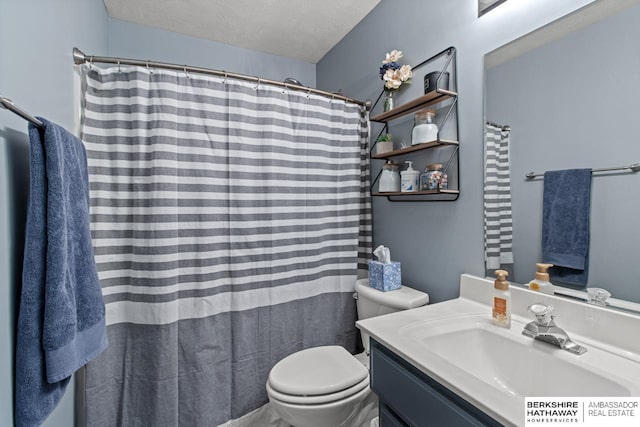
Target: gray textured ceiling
x: 299, y: 29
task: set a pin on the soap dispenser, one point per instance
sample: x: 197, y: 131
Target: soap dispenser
x: 409, y: 179
x: 501, y: 313
x: 541, y: 283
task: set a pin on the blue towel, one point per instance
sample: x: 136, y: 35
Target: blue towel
x: 565, y: 225
x: 61, y: 324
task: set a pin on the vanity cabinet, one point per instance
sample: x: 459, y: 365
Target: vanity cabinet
x: 433, y: 98
x: 408, y: 397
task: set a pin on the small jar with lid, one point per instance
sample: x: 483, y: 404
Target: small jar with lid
x: 389, y: 178
x: 424, y: 128
x: 432, y: 178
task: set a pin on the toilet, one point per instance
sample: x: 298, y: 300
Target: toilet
x: 326, y: 386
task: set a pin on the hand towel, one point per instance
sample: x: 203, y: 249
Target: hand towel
x: 61, y: 323
x: 565, y: 225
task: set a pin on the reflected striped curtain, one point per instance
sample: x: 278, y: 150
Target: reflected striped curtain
x: 498, y: 226
x: 228, y: 221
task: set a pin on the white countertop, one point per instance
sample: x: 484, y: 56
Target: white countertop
x: 592, y: 329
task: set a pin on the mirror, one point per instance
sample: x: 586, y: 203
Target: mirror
x: 570, y: 93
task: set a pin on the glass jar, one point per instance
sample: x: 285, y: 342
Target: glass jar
x: 389, y: 101
x: 432, y: 178
x: 424, y: 130
x: 389, y: 178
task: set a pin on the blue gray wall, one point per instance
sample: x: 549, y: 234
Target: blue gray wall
x: 572, y: 104
x: 36, y: 38
x: 129, y: 40
x: 435, y: 242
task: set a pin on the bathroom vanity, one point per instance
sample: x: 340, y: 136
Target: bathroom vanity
x: 447, y: 364
x: 403, y: 389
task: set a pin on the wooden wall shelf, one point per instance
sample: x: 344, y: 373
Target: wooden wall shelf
x: 415, y: 193
x: 413, y: 148
x: 415, y: 105
x: 449, y: 110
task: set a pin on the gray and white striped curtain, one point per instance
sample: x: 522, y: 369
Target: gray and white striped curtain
x: 228, y: 221
x: 498, y: 226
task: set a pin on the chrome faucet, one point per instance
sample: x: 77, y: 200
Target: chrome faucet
x: 543, y: 328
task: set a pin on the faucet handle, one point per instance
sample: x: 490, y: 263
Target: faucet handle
x: 597, y: 296
x: 542, y: 312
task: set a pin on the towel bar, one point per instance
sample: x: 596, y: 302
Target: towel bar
x: 635, y: 167
x: 8, y: 104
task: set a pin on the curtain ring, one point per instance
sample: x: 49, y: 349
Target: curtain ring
x: 119, y: 69
x: 224, y: 81
x: 148, y: 68
x: 257, y: 84
x: 91, y: 62
x: 308, y: 93
x: 186, y: 72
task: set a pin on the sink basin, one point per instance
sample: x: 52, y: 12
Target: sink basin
x: 515, y: 364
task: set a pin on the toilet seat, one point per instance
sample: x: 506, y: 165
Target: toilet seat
x: 320, y: 399
x: 317, y: 375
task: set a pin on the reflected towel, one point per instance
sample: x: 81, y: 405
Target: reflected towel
x: 565, y: 225
x: 61, y: 324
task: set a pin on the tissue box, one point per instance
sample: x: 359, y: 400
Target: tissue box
x: 384, y: 277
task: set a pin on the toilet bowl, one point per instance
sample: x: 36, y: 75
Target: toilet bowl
x: 327, y: 395
x: 327, y: 386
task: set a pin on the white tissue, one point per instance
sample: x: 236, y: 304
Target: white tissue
x: 383, y: 254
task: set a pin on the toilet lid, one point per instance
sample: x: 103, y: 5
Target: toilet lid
x: 317, y: 370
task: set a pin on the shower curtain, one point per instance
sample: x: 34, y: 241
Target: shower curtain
x: 498, y: 226
x: 229, y: 221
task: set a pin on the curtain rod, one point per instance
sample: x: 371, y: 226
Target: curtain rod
x: 8, y: 104
x: 635, y: 167
x: 506, y: 127
x: 80, y: 58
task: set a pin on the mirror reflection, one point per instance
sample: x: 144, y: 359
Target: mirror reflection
x: 575, y: 103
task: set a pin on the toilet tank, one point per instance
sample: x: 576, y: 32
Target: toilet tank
x: 372, y: 302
